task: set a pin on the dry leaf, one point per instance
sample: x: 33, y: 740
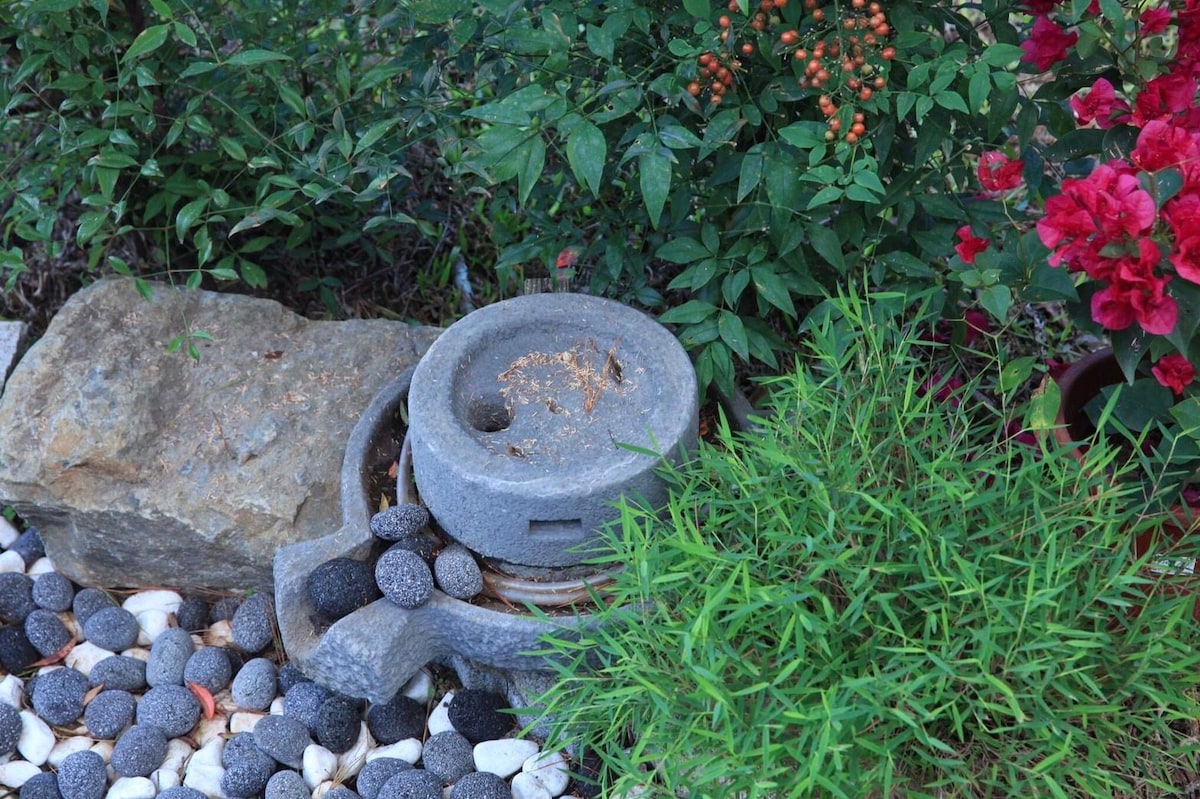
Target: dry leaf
x: 55, y: 658
x: 205, y: 697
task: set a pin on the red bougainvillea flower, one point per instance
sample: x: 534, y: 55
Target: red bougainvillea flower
x: 1101, y: 105
x: 1137, y: 294
x: 970, y: 245
x: 1093, y: 211
x: 1163, y: 144
x: 1039, y: 7
x: 998, y: 172
x: 1047, y: 44
x: 1164, y: 96
x: 1174, y: 371
x: 1185, y: 257
x: 1154, y: 21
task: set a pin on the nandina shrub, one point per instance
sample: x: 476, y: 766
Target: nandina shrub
x: 874, y: 595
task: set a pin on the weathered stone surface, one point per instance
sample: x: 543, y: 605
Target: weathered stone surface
x: 141, y: 467
x: 12, y: 336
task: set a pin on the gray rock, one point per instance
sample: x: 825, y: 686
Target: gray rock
x: 375, y: 773
x: 46, y: 632
x: 209, y: 666
x: 286, y: 785
x: 53, y: 592
x: 10, y: 729
x: 114, y: 629
x: 82, y: 775
x: 120, y: 672
x: 109, y: 713
x: 404, y: 578
x: 457, y: 572
x: 283, y: 738
x: 12, y: 338
x: 169, y: 657
x: 88, y: 601
x: 399, y: 521
x: 171, y: 708
x: 142, y: 467
x: 139, y: 751
x: 480, y: 785
x: 448, y: 755
x: 58, y: 696
x: 415, y: 783
x: 255, y: 685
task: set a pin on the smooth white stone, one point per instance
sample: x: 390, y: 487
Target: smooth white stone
x: 154, y: 599
x: 131, y: 788
x: 37, y: 739
x: 139, y: 652
x: 68, y: 746
x: 12, y: 690
x: 151, y: 624
x: 219, y: 633
x: 503, y: 757
x: 208, y: 729
x: 164, y: 778
x: 439, y: 719
x: 85, y: 656
x: 8, y: 533
x: 318, y: 765
x: 244, y: 721
x: 178, y: 752
x: 277, y: 706
x: 12, y: 562
x: 527, y: 786
x: 408, y: 750
x: 104, y: 749
x: 40, y: 566
x: 351, y: 761
x: 551, y: 770
x: 204, y: 770
x: 72, y: 624
x: 420, y: 687
x: 16, y: 773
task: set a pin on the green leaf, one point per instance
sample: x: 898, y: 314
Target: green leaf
x: 89, y: 224
x: 600, y: 42
x: 654, y: 175
x: 1016, y: 372
x: 733, y: 333
x: 587, y: 151
x: 531, y: 160
x: 689, y: 313
x: 188, y: 215
x: 770, y: 286
x: 233, y: 148
x: 750, y: 174
x: 1161, y: 185
x: 805, y: 135
x: 682, y: 250
x: 112, y: 159
x: 437, y: 12
x: 827, y: 195
x: 721, y: 130
x: 978, y: 88
x: 252, y: 273
x: 198, y: 68
x: 952, y: 101
x: 146, y: 42
x: 253, y: 58
x: 733, y: 285
x: 827, y: 245
x: 996, y: 300
x: 185, y: 34
x: 1001, y: 55
x: 700, y: 9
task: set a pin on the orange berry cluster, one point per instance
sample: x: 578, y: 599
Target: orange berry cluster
x: 716, y: 76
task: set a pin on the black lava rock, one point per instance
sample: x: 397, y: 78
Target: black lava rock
x: 457, y: 573
x: 224, y: 609
x: 139, y: 751
x: 337, y: 725
x: 480, y: 785
x: 254, y: 623
x: 168, y: 657
x: 16, y: 653
x: 414, y: 783
x: 121, y: 672
x: 303, y: 702
x: 46, y: 632
x: 87, y: 602
x: 375, y: 773
x: 422, y: 545
x: 283, y: 738
x: 172, y: 708
x: 53, y: 592
x: 29, y: 546
x: 109, y: 713
x: 404, y: 578
x: 477, y: 715
x: 286, y: 785
x: 82, y: 775
x: 10, y: 729
x: 340, y: 586
x: 114, y: 629
x: 16, y: 597
x: 399, y: 521
x: 289, y: 675
x: 192, y: 614
x: 255, y: 684
x: 399, y: 718
x: 43, y: 785
x: 448, y: 755
x: 58, y: 696
x: 209, y: 666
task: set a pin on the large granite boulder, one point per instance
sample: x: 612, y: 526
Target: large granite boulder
x: 143, y: 467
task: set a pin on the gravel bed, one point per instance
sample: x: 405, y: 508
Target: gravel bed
x: 154, y: 694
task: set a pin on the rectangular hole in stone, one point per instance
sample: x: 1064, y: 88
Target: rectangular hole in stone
x: 556, y: 528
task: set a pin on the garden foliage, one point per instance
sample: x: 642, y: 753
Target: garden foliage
x: 865, y: 596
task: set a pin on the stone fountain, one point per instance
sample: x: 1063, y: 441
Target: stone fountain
x: 527, y: 421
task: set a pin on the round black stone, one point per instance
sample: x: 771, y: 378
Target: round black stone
x: 109, y: 713
x: 209, y: 666
x: 192, y: 614
x: 289, y: 675
x: 337, y: 725
x: 16, y: 653
x: 114, y: 629
x: 121, y: 672
x: 46, y: 632
x: 223, y: 609
x: 404, y: 578
x: 340, y: 586
x: 58, y: 696
x: 172, y: 708
x: 477, y: 715
x: 254, y: 623
x: 399, y: 718
x: 29, y: 546
x: 480, y: 785
x: 87, y: 602
x: 448, y: 755
x: 16, y: 597
x: 414, y: 783
x: 42, y: 786
x: 82, y: 775
x: 303, y: 702
x: 53, y: 592
x: 10, y: 729
x: 139, y: 751
x: 375, y: 773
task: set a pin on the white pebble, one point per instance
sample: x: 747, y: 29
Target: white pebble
x: 178, y: 752
x: 277, y: 706
x: 527, y: 786
x: 204, y: 770
x: 208, y: 729
x: 351, y: 761
x: 12, y: 562
x: 104, y: 749
x: 68, y: 746
x: 16, y: 773
x: 244, y: 721
x: 42, y: 565
x: 439, y: 719
x: 151, y: 624
x: 141, y: 653
x: 319, y: 765
x: 85, y: 656
x: 408, y: 750
x: 37, y: 739
x: 504, y: 757
x: 219, y: 633
x: 8, y: 533
x: 131, y: 788
x: 155, y: 599
x: 420, y: 687
x: 12, y: 690
x: 164, y: 778
x: 551, y: 770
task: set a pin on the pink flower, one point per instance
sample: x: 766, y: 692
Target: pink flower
x: 1164, y: 96
x: 970, y: 246
x: 1186, y: 258
x: 1047, y: 44
x: 1163, y: 144
x: 1092, y: 212
x: 1154, y: 21
x: 1137, y: 294
x: 1101, y: 105
x: 998, y: 172
x: 1174, y: 371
